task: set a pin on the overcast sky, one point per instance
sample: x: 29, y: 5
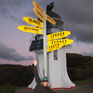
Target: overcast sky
x: 14, y: 44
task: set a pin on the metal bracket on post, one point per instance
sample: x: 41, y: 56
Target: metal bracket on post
x: 45, y: 46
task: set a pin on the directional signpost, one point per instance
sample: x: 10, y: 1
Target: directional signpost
x: 30, y: 29
x: 42, y: 15
x: 38, y: 14
x: 37, y: 6
x: 57, y: 44
x: 61, y: 41
x: 58, y: 35
x: 53, y: 47
x: 50, y: 19
x: 40, y: 28
x: 45, y: 46
x: 33, y: 22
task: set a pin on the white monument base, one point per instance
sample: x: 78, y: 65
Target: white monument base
x: 57, y: 70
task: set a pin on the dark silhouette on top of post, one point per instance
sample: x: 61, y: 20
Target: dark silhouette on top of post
x: 50, y: 7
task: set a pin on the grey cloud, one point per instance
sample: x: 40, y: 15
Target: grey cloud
x: 5, y: 12
x: 11, y: 54
x: 30, y: 14
x: 78, y: 17
x: 82, y: 32
x: 88, y: 54
x: 13, y: 3
x: 9, y: 8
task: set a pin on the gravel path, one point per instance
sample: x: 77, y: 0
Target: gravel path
x: 80, y: 89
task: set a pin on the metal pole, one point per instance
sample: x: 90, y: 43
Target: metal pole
x: 44, y: 46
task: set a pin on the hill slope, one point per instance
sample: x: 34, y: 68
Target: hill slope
x: 79, y: 68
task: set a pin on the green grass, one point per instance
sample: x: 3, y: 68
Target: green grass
x: 7, y: 89
x: 89, y: 81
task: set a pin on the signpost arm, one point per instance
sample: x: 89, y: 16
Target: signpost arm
x: 45, y: 46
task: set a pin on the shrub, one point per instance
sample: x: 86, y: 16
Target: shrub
x: 7, y: 89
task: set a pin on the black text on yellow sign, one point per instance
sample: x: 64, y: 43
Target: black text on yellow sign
x: 61, y: 41
x: 37, y: 6
x: 29, y: 29
x: 58, y: 35
x: 33, y: 22
x: 57, y: 44
x: 54, y: 47
x: 40, y: 13
x: 50, y: 19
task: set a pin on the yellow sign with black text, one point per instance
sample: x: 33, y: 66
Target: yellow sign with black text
x: 58, y: 35
x: 57, y: 44
x: 61, y: 41
x: 37, y: 6
x: 54, y: 47
x: 50, y: 19
x: 33, y: 22
x: 39, y: 14
x: 29, y: 29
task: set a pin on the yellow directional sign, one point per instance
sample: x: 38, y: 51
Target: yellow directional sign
x: 38, y: 14
x: 58, y: 35
x: 30, y: 29
x: 54, y: 47
x: 61, y: 41
x: 37, y: 6
x: 33, y: 22
x: 50, y: 19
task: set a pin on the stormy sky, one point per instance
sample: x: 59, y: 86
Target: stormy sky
x: 14, y: 44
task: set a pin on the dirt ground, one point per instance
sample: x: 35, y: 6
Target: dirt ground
x: 79, y: 89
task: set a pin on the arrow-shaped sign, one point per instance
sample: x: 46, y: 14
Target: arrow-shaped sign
x: 58, y: 35
x: 50, y: 19
x: 33, y: 22
x: 40, y: 13
x: 57, y: 44
x: 61, y: 41
x: 54, y: 47
x: 37, y: 6
x: 30, y: 29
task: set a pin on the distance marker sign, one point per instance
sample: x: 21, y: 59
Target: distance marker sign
x: 33, y: 22
x: 58, y: 35
x: 61, y: 41
x: 30, y: 29
x: 37, y: 6
x: 53, y: 47
x: 50, y: 19
x: 57, y: 44
x: 39, y: 14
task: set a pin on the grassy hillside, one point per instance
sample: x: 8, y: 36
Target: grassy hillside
x: 79, y: 68
x: 16, y: 75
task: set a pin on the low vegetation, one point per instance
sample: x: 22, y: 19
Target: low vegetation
x: 7, y: 89
x: 80, y: 68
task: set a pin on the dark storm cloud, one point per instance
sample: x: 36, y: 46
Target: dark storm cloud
x: 13, y: 3
x: 9, y: 8
x: 11, y: 54
x: 77, y: 16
